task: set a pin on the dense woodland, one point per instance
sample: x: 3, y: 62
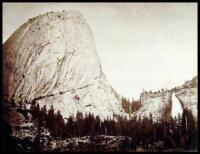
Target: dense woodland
x: 130, y: 106
x: 179, y: 132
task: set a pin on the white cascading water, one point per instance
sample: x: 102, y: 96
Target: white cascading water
x: 176, y: 106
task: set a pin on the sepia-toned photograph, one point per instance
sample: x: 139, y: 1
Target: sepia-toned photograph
x: 99, y: 77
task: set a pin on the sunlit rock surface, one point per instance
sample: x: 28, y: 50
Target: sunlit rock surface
x: 160, y: 104
x: 189, y: 99
x: 156, y: 104
x: 52, y: 60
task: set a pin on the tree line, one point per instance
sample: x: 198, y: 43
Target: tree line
x: 177, y: 132
x: 130, y: 106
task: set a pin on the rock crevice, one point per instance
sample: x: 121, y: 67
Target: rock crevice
x: 52, y: 55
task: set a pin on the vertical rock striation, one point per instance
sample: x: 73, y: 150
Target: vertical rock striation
x: 52, y: 59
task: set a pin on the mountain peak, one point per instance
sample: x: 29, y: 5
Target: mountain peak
x: 65, y: 14
x: 52, y: 58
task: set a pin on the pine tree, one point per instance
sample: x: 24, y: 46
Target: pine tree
x: 35, y: 110
x: 51, y: 121
x: 43, y: 116
x: 70, y: 126
x: 59, y: 124
x: 97, y: 125
x: 80, y: 123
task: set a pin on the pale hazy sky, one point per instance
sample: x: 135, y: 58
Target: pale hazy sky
x: 140, y: 45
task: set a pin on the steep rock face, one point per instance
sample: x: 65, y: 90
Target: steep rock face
x: 188, y: 98
x: 50, y: 53
x: 187, y: 94
x: 158, y: 105
x: 97, y: 98
x: 52, y: 59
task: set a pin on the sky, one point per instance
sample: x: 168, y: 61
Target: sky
x: 141, y: 45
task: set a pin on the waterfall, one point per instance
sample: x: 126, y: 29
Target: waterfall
x: 176, y: 106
